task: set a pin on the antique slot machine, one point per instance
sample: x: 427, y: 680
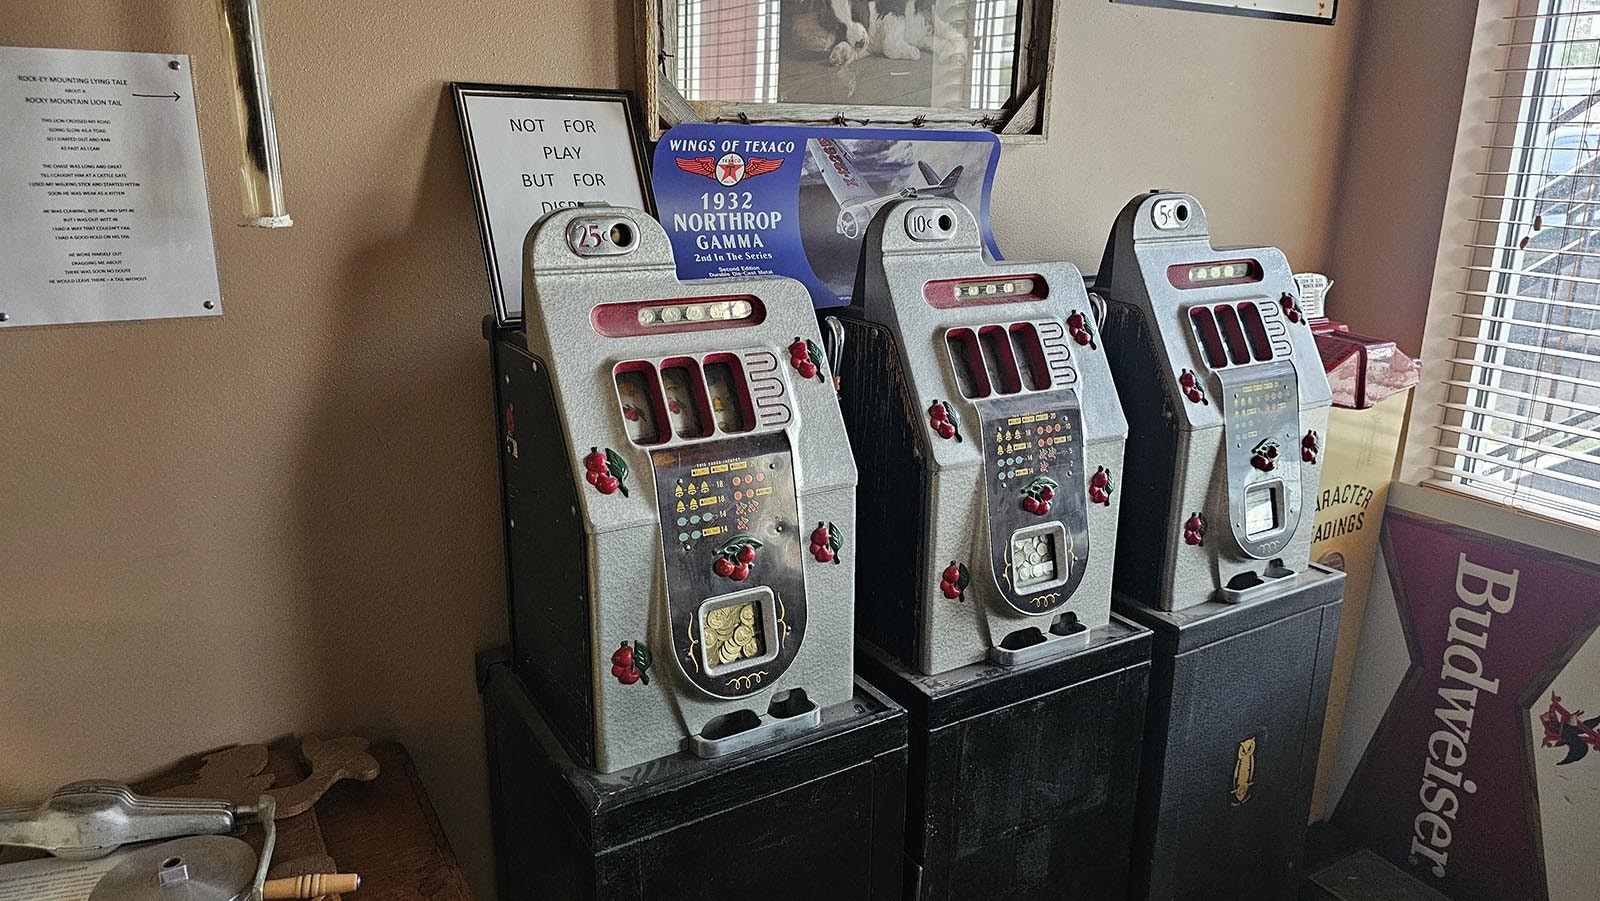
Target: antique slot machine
x: 988, y: 432
x: 1227, y: 407
x: 1227, y: 404
x: 679, y: 499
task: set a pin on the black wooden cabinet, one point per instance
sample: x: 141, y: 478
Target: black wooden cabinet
x: 1023, y: 779
x: 819, y: 815
x: 1237, y: 697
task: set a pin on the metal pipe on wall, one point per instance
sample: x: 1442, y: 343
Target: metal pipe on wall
x: 261, y: 179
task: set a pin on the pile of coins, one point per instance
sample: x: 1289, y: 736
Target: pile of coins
x: 733, y: 633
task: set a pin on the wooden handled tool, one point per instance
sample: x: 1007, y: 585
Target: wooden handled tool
x: 313, y: 885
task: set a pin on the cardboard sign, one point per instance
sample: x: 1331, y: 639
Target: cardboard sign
x: 531, y: 151
x: 741, y: 200
x: 1482, y: 775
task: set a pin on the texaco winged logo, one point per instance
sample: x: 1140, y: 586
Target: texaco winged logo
x: 730, y: 168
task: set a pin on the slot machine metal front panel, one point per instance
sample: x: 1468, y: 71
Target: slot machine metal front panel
x: 1227, y: 407
x: 983, y: 413
x: 682, y: 568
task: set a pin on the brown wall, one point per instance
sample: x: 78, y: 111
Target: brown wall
x: 1405, y: 109
x: 285, y: 519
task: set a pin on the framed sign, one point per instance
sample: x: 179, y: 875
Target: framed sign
x: 948, y: 64
x: 1321, y: 11
x: 534, y: 150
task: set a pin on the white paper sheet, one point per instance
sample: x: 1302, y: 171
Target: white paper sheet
x: 102, y: 192
x: 50, y: 879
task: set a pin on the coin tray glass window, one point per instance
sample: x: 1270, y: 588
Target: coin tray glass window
x: 1036, y: 556
x: 734, y: 629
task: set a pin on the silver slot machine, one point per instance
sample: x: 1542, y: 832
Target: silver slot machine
x: 1227, y: 407
x: 679, y: 499
x: 985, y: 422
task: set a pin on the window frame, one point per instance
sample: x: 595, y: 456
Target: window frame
x: 1494, y: 110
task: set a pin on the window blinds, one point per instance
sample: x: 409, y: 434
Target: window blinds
x: 1521, y: 422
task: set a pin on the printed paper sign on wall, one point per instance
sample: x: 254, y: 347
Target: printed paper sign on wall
x: 102, y: 193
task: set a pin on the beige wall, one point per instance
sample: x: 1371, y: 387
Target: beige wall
x: 286, y: 520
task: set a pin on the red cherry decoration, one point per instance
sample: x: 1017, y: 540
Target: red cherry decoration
x: 1031, y: 504
x: 622, y: 657
x: 807, y: 369
x: 607, y: 484
x: 592, y: 477
x: 819, y: 535
x: 937, y: 412
x: 1291, y: 308
x: 740, y: 572
x: 627, y: 677
x: 950, y: 590
x: 747, y: 554
x: 952, y: 573
x: 1047, y: 493
x: 1044, y: 508
x: 723, y: 567
x: 823, y: 554
x: 595, y: 461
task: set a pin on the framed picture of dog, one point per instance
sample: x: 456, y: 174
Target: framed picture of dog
x: 981, y: 64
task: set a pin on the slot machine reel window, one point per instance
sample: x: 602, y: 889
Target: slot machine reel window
x: 997, y: 359
x: 683, y: 397
x: 1231, y: 334
x: 639, y: 401
x: 686, y: 397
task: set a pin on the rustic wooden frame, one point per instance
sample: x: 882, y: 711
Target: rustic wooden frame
x: 1024, y: 119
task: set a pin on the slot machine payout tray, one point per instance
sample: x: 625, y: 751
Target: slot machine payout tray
x: 816, y: 815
